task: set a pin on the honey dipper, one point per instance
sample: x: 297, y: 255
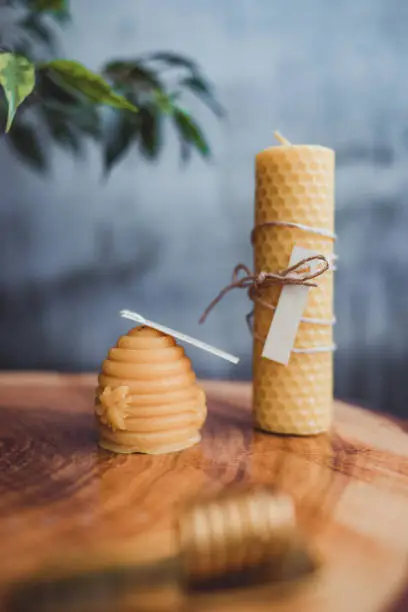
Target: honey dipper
x: 240, y: 534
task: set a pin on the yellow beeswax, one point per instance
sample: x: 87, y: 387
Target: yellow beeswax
x: 148, y: 399
x: 294, y: 184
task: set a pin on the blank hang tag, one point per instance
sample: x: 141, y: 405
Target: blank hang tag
x: 289, y: 310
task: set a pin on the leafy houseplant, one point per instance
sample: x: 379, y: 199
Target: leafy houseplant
x: 62, y: 98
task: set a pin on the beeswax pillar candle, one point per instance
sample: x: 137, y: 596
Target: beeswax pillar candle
x: 294, y: 185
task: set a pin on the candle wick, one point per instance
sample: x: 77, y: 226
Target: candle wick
x: 282, y: 139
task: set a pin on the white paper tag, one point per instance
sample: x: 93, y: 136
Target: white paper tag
x: 134, y: 316
x: 289, y: 310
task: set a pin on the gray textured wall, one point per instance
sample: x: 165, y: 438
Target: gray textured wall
x: 162, y: 240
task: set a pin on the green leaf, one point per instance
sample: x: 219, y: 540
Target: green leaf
x: 49, y: 5
x: 150, y: 131
x: 56, y: 98
x: 76, y: 78
x: 17, y: 77
x: 190, y: 132
x: 49, y: 90
x: 172, y: 59
x: 65, y: 136
x: 39, y: 30
x: 24, y: 140
x: 202, y: 89
x: 132, y: 73
x: 123, y: 134
x: 58, y: 9
x: 86, y: 119
x: 164, y: 102
x: 61, y: 131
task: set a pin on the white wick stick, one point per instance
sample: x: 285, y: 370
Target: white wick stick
x: 134, y: 316
x: 282, y: 139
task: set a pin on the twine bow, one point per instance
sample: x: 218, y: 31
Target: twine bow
x: 298, y: 274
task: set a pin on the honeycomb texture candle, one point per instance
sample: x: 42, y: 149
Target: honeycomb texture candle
x: 148, y: 399
x: 294, y: 184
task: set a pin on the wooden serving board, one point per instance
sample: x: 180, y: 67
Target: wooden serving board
x: 60, y: 493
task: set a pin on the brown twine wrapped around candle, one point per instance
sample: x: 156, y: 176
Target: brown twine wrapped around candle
x: 255, y: 283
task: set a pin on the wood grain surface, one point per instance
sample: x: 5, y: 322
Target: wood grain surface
x: 59, y: 493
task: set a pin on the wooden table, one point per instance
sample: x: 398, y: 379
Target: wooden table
x: 60, y: 493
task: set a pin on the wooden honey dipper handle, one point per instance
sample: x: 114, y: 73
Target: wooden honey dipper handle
x: 233, y: 533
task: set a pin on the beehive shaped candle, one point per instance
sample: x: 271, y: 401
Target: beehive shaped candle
x: 148, y: 399
x: 294, y: 205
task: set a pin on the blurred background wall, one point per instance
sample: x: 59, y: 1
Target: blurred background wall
x: 162, y: 240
